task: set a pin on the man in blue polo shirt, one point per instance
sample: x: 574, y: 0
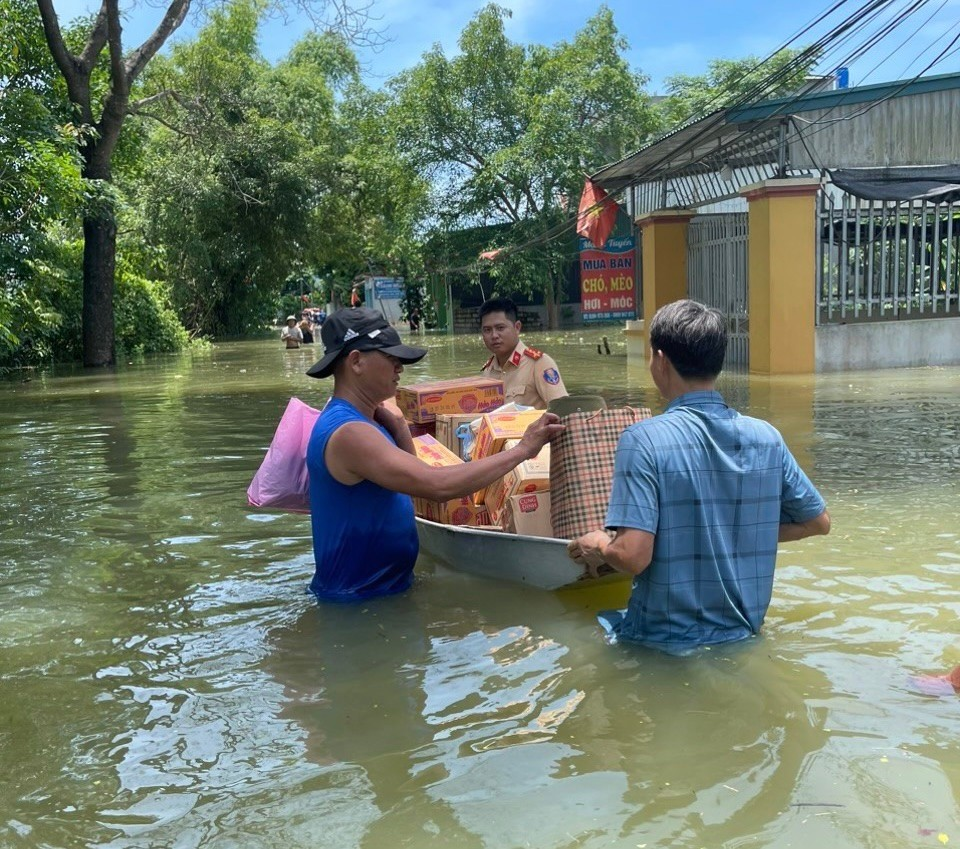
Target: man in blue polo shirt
x: 701, y: 497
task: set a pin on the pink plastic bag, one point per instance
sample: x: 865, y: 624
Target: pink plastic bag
x: 281, y: 482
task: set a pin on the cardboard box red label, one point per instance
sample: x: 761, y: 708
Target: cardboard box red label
x: 528, y: 514
x: 430, y: 450
x: 421, y: 402
x: 497, y: 428
x: 531, y: 475
x: 457, y: 511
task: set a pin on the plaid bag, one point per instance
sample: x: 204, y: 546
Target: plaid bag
x: 581, y: 468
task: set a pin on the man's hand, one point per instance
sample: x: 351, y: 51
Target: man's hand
x: 589, y: 549
x: 389, y: 417
x: 630, y: 550
x: 544, y: 429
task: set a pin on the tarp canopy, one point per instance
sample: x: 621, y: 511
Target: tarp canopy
x: 937, y: 183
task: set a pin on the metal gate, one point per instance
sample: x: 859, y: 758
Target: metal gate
x: 717, y: 275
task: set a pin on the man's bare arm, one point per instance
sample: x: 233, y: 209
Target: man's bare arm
x: 358, y: 451
x: 817, y: 526
x: 630, y: 551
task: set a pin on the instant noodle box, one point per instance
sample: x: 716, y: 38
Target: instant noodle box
x: 531, y: 475
x: 528, y: 514
x: 421, y: 402
x: 456, y: 511
x: 497, y: 428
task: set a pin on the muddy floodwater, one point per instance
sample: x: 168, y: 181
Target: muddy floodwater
x: 166, y: 682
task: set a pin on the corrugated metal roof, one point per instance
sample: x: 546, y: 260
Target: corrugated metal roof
x: 706, y: 144
x: 842, y: 97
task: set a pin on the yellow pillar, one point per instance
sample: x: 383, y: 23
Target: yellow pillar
x: 664, y: 235
x: 782, y: 275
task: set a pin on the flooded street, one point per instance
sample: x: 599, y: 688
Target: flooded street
x: 165, y: 681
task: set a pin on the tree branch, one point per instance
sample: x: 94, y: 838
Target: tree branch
x: 98, y: 38
x: 78, y: 81
x: 120, y: 83
x: 135, y: 109
x: 174, y: 16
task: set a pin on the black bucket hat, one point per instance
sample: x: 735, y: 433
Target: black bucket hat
x: 360, y: 329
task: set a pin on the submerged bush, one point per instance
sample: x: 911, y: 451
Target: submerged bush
x: 44, y: 313
x: 146, y: 322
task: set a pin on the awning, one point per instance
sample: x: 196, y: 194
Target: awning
x: 937, y: 183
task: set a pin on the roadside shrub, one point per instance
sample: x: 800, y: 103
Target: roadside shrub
x: 145, y: 320
x: 44, y: 313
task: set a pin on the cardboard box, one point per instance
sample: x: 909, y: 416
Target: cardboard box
x: 421, y: 402
x: 528, y: 514
x: 531, y: 475
x: 457, y: 511
x: 430, y: 450
x: 447, y: 425
x: 497, y: 428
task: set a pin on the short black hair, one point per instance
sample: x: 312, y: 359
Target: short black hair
x: 504, y: 305
x: 693, y: 337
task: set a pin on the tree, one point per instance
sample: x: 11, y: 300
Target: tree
x: 380, y: 206
x: 729, y: 81
x: 506, y: 132
x: 39, y: 169
x: 240, y: 167
x: 101, y: 111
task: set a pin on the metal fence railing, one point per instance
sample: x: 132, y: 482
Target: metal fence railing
x: 881, y: 260
x: 717, y: 274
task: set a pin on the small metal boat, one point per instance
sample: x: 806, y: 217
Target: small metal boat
x: 540, y: 562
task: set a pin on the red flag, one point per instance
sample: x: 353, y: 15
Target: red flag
x: 491, y: 255
x: 597, y: 214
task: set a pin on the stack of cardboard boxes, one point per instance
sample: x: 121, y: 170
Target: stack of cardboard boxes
x: 518, y: 502
x: 457, y: 511
x: 429, y: 408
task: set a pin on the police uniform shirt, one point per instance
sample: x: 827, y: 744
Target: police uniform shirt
x: 529, y: 377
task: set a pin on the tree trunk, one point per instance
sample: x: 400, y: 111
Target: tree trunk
x: 550, y: 303
x: 100, y: 242
x: 99, y: 265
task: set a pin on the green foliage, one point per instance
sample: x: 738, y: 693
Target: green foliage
x: 47, y: 310
x: 39, y: 167
x: 505, y: 133
x: 146, y: 322
x: 372, y: 218
x: 728, y: 81
x: 244, y: 174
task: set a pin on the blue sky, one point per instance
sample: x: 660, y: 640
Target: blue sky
x: 665, y: 38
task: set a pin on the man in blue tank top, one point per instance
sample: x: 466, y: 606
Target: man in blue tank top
x: 701, y: 497
x: 363, y: 468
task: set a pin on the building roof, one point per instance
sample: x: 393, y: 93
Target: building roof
x: 747, y: 137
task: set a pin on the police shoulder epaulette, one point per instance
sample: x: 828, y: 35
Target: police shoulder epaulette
x: 533, y: 353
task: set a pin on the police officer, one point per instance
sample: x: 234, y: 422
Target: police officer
x: 529, y: 376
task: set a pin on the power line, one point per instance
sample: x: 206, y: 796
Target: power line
x: 827, y: 45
